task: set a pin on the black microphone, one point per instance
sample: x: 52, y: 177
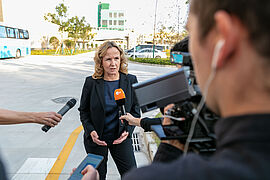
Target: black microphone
x: 119, y: 97
x: 70, y: 104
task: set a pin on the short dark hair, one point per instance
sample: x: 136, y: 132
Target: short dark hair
x: 253, y: 14
x: 181, y: 46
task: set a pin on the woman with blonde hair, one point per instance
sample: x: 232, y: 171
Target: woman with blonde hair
x: 99, y: 112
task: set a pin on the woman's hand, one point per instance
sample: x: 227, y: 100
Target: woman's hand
x: 123, y: 136
x: 131, y: 120
x: 95, y: 139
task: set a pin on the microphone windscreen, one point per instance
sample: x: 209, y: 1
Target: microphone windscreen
x: 119, y: 94
x: 119, y: 97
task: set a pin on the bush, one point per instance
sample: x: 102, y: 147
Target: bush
x: 52, y: 52
x: 161, y: 61
x: 44, y: 52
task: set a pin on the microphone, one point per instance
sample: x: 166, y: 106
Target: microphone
x: 70, y: 104
x: 119, y: 97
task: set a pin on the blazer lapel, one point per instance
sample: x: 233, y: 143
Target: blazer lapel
x: 100, y: 91
x: 123, y: 82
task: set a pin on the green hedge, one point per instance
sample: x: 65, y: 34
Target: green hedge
x: 45, y: 52
x: 52, y: 52
x: 161, y: 61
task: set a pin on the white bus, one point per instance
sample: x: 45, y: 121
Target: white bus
x: 14, y: 42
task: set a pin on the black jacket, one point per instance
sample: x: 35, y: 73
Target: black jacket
x: 146, y: 123
x: 92, y: 110
x: 243, y: 147
x: 3, y: 175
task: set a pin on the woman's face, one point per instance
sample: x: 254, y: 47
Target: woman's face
x: 111, y: 62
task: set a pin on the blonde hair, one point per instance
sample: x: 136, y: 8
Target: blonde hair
x: 101, y: 52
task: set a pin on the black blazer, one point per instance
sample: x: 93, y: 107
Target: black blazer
x: 92, y: 110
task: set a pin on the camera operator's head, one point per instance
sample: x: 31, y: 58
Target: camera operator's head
x: 232, y: 39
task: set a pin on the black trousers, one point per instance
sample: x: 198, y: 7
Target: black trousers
x: 122, y: 155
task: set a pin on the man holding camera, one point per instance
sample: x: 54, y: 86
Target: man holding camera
x: 229, y: 44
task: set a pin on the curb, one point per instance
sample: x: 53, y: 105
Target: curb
x: 148, y: 139
x: 151, y: 145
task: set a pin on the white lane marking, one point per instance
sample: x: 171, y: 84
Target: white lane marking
x: 34, y: 169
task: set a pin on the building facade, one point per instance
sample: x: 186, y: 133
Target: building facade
x: 110, y: 19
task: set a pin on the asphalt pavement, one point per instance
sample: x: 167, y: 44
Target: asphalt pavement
x: 45, y: 83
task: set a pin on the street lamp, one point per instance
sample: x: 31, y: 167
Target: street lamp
x: 155, y: 29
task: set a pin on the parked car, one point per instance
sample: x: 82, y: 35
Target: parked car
x: 148, y: 53
x: 143, y: 46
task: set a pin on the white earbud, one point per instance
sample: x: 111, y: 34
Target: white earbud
x: 218, y: 47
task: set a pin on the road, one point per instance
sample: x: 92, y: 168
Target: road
x: 44, y: 83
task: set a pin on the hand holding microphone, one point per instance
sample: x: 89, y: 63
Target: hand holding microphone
x: 70, y: 104
x: 46, y: 118
x: 131, y: 119
x: 119, y: 97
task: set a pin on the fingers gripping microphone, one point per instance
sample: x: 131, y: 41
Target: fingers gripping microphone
x: 70, y: 104
x: 119, y: 97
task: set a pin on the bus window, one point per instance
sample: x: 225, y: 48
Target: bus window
x: 11, y: 33
x: 25, y: 34
x: 3, y: 33
x: 21, y: 34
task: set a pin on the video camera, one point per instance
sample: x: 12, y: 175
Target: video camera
x: 179, y: 87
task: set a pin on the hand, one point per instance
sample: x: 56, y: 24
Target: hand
x: 73, y: 170
x: 123, y: 136
x: 167, y: 121
x: 47, y: 118
x: 131, y: 120
x: 95, y: 139
x: 90, y: 173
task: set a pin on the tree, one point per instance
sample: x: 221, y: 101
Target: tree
x: 86, y: 34
x: 69, y: 43
x: 79, y: 29
x: 59, y: 18
x: 162, y: 36
x: 44, y: 43
x: 54, y: 42
x: 76, y: 27
x: 169, y: 35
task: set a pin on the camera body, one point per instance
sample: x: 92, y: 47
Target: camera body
x: 180, y: 88
x: 203, y: 139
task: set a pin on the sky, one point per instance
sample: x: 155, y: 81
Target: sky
x: 29, y: 14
